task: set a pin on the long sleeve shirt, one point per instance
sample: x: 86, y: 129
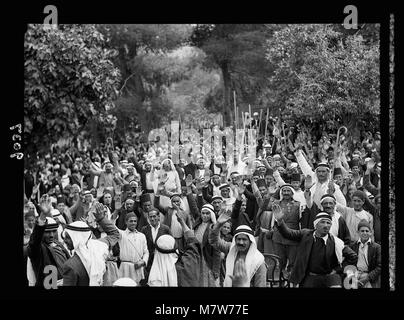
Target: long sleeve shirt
x: 318, y: 189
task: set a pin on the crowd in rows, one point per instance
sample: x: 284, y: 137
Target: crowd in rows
x: 304, y: 208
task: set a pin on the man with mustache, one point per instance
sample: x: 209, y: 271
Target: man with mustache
x: 320, y: 256
x: 242, y: 248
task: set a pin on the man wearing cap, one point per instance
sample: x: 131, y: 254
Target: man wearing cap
x: 88, y: 264
x: 242, y: 247
x: 369, y: 257
x: 120, y: 215
x: 286, y: 248
x: 106, y: 176
x: 320, y: 179
x: 338, y: 227
x: 131, y: 175
x: 295, y: 181
x: 354, y: 215
x: 44, y: 249
x: 147, y: 177
x: 320, y: 255
x: 133, y: 253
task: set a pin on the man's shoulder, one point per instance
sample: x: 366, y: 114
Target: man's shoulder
x: 164, y: 227
x: 72, y: 262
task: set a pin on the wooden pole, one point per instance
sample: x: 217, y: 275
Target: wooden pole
x: 235, y: 109
x: 266, y: 125
x: 259, y: 123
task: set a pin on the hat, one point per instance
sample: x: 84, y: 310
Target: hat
x: 183, y: 183
x: 243, y: 229
x: 124, y: 282
x: 225, y: 185
x: 360, y: 194
x: 234, y: 172
x: 327, y: 197
x: 215, y: 175
x: 87, y: 192
x: 130, y: 215
x: 123, y: 161
x: 175, y: 195
x: 145, y: 197
x: 364, y: 223
x: 294, y: 165
x: 354, y: 163
x: 51, y: 224
x: 276, y: 156
x: 130, y: 164
x: 208, y: 207
x: 337, y: 171
x: 261, y: 183
x: 296, y: 177
x: 60, y: 199
x: 323, y: 165
x: 256, y: 173
x: 269, y: 172
x: 286, y: 186
x: 267, y: 145
x: 216, y: 198
x: 320, y: 216
x: 255, y: 114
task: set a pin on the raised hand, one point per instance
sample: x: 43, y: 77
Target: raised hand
x: 308, y: 182
x: 331, y: 187
x: 277, y: 211
x: 138, y: 191
x: 241, y: 188
x: 99, y: 212
x: 199, y: 184
x: 223, y: 217
x: 206, y: 176
x: 239, y: 277
x: 370, y: 164
x: 188, y: 180
x: 46, y: 206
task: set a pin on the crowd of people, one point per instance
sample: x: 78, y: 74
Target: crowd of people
x: 130, y: 216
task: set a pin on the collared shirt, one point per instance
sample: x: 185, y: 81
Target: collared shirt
x: 149, y: 180
x: 363, y: 264
x: 155, y: 231
x: 325, y: 238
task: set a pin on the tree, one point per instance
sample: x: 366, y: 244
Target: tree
x: 323, y: 75
x: 238, y: 51
x: 70, y: 81
x: 148, y: 68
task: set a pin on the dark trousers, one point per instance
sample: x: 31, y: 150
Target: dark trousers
x: 287, y: 254
x: 321, y: 281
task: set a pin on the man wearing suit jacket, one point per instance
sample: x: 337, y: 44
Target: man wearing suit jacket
x: 180, y: 167
x: 87, y: 266
x: 152, y: 232
x: 146, y: 174
x: 320, y: 255
x: 369, y: 257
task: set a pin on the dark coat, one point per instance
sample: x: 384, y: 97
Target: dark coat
x: 140, y: 171
x: 374, y: 260
x: 181, y: 174
x: 210, y: 253
x: 74, y: 272
x: 307, y: 222
x: 306, y: 240
x: 168, y: 212
x: 146, y: 230
x: 252, y: 205
x: 238, y: 219
x: 42, y: 255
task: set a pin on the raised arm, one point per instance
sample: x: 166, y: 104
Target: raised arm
x: 214, y: 235
x: 304, y: 165
x: 113, y: 235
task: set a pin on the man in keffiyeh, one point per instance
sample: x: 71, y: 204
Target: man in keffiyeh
x: 88, y: 264
x: 320, y: 256
x: 244, y: 247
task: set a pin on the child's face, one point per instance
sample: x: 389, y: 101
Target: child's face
x: 365, y: 233
x: 226, y: 228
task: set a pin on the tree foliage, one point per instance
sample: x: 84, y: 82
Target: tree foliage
x: 324, y: 75
x: 70, y: 81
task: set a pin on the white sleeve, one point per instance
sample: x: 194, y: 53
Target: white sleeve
x: 304, y: 165
x: 278, y: 178
x: 339, y: 196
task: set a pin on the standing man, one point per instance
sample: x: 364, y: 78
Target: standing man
x: 369, y: 257
x: 242, y: 247
x: 319, y: 255
x: 134, y: 254
x: 152, y: 232
x: 88, y: 264
x: 44, y: 249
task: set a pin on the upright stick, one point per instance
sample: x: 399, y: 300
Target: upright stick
x: 259, y: 123
x: 235, y: 109
x: 266, y: 125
